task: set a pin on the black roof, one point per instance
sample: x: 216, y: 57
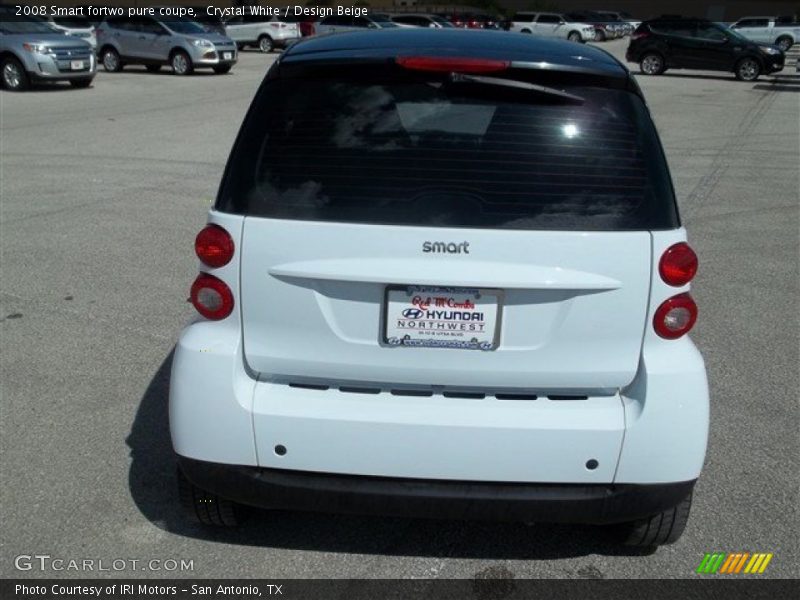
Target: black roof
x: 500, y: 45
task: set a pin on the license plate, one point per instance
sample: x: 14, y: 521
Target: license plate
x: 76, y: 65
x: 227, y: 55
x: 442, y: 317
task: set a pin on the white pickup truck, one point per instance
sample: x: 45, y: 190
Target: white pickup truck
x: 780, y: 31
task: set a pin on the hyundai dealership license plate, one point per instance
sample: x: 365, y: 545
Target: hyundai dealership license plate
x: 76, y: 65
x: 227, y: 55
x: 441, y: 317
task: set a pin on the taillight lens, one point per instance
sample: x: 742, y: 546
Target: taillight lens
x: 450, y: 64
x: 211, y: 297
x: 641, y: 35
x: 214, y: 246
x: 678, y: 265
x: 675, y: 317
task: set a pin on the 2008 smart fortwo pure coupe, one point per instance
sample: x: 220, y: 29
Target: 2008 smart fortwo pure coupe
x: 445, y: 276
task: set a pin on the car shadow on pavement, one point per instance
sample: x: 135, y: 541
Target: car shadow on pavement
x: 152, y: 484
x: 52, y: 86
x: 777, y: 87
x: 685, y: 75
x: 133, y: 70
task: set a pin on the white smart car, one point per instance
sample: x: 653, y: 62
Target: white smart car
x: 445, y: 276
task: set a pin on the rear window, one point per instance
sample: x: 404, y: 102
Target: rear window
x: 420, y: 150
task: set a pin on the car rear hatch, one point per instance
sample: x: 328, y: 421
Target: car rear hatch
x: 410, y: 227
x: 285, y: 29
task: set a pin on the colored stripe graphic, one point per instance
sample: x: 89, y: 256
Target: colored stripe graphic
x: 732, y: 560
x: 711, y: 562
x: 724, y: 563
x: 759, y: 562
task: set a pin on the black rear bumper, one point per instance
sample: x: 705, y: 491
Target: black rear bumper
x: 352, y: 494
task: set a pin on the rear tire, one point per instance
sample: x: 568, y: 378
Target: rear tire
x: 111, y: 60
x: 181, y: 63
x: 747, y: 69
x: 784, y: 43
x: 652, y: 63
x: 15, y: 78
x: 663, y: 528
x: 265, y: 44
x: 81, y: 83
x: 207, y: 508
x: 574, y: 36
x: 600, y: 36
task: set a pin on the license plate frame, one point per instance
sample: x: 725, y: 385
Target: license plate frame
x: 424, y: 297
x: 77, y: 65
x: 227, y: 56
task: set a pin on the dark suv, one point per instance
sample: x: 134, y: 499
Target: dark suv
x: 682, y: 43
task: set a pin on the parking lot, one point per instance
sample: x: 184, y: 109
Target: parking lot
x: 103, y: 191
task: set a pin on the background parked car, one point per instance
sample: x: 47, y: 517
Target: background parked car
x: 606, y: 27
x: 211, y: 22
x: 305, y: 23
x: 685, y: 43
x: 78, y: 27
x: 552, y: 25
x: 625, y: 17
x: 94, y: 20
x: 782, y: 32
x: 479, y: 21
x: 422, y: 20
x: 262, y: 32
x: 335, y: 23
x: 182, y: 43
x: 31, y: 50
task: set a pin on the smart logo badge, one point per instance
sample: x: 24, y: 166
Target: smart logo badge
x: 734, y: 563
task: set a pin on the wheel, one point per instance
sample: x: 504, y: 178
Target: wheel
x: 574, y: 36
x: 15, y: 78
x: 784, y: 43
x: 222, y: 69
x: 81, y: 83
x: 600, y: 36
x: 526, y: 31
x: 111, y: 60
x: 265, y: 44
x: 663, y: 528
x: 748, y: 69
x: 181, y: 63
x: 153, y: 68
x: 207, y: 508
x: 652, y: 64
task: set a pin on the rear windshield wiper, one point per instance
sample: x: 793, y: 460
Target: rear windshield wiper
x: 518, y: 85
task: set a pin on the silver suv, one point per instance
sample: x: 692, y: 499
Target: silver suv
x: 181, y: 43
x: 31, y: 50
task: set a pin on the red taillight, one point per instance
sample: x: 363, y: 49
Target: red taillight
x: 214, y: 246
x: 211, y: 297
x: 675, y: 317
x: 640, y: 36
x: 448, y: 64
x: 678, y: 264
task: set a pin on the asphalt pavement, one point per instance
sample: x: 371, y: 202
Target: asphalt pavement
x: 102, y: 192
